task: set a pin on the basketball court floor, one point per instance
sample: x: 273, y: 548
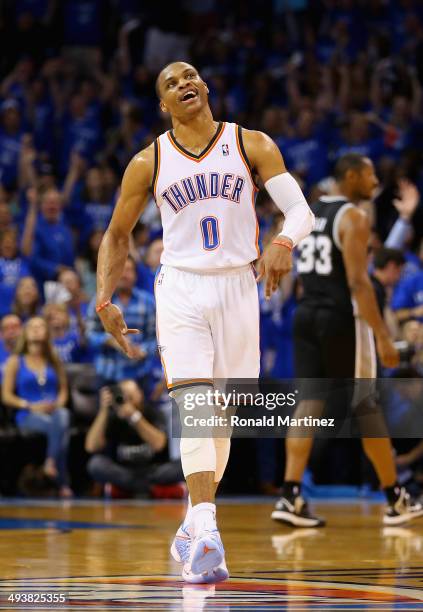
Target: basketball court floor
x: 115, y: 556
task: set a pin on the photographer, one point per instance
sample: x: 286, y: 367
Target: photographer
x: 128, y: 442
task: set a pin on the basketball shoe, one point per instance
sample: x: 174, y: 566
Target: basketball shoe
x: 402, y: 510
x: 295, y: 512
x: 180, y: 551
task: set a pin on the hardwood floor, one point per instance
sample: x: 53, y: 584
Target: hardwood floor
x: 116, y: 556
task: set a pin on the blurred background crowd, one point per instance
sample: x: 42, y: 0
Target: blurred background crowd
x: 77, y: 101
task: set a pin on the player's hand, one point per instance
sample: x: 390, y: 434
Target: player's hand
x: 275, y: 262
x: 388, y: 354
x: 114, y: 323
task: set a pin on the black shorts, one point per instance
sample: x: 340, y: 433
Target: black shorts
x: 330, y: 344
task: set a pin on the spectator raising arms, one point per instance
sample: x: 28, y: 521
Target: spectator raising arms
x: 47, y: 240
x: 35, y: 387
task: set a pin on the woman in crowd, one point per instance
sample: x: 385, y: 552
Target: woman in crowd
x: 27, y: 298
x: 34, y: 384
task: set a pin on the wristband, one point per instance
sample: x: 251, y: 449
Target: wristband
x: 135, y: 418
x: 283, y: 242
x: 102, y: 306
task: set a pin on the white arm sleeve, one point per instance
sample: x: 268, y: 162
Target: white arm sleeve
x: 288, y: 197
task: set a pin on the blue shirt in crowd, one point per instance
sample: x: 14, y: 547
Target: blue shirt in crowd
x: 10, y: 146
x: 28, y: 387
x: 53, y: 246
x: 111, y: 364
x: 11, y: 270
x: 70, y: 349
x: 409, y: 293
x: 145, y: 278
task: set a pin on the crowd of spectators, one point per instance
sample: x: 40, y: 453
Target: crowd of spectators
x: 77, y: 100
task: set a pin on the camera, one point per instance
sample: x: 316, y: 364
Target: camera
x: 118, y: 398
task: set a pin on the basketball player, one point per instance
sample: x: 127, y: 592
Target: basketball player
x: 335, y: 328
x: 201, y: 175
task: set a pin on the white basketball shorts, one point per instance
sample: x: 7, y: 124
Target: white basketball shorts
x: 207, y: 324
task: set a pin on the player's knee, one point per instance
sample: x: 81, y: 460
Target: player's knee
x: 196, y: 409
x: 198, y: 455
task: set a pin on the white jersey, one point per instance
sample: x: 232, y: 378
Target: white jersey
x: 207, y: 202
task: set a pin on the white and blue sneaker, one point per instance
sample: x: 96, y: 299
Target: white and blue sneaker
x: 180, y: 551
x: 207, y: 551
x: 217, y: 574
x: 181, y: 545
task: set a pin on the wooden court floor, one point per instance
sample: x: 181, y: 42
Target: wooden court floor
x: 115, y: 556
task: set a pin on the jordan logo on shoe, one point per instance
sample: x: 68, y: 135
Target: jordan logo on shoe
x: 207, y: 549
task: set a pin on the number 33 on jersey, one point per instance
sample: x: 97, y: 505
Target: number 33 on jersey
x: 320, y: 262
x: 207, y: 202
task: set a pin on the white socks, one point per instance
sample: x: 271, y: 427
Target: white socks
x: 203, y: 517
x: 188, y: 516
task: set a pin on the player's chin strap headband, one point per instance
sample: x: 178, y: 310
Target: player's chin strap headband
x: 288, y: 197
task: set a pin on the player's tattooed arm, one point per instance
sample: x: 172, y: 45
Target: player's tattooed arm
x: 114, y: 247
x: 354, y: 233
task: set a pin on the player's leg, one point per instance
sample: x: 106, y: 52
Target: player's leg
x: 376, y: 442
x: 235, y: 328
x: 233, y: 316
x: 291, y: 508
x: 186, y: 350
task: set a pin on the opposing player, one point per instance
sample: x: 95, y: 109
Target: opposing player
x: 201, y: 175
x: 335, y: 326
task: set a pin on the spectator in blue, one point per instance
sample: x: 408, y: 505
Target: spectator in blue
x: 70, y: 345
x: 77, y: 303
x: 10, y: 142
x: 49, y: 241
x: 91, y: 203
x: 138, y: 309
x: 12, y: 268
x: 40, y: 115
x: 34, y: 384
x: 80, y: 132
x: 407, y: 301
x: 356, y: 138
x: 82, y: 22
x: 306, y: 153
x: 146, y: 270
x: 10, y: 330
x: 130, y: 135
